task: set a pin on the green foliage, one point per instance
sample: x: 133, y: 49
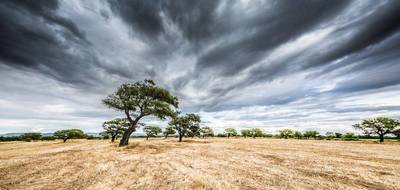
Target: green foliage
x: 169, y: 131
x: 379, y: 126
x: 256, y: 132
x: 286, y: 133
x: 311, y: 134
x: 297, y: 134
x: 141, y: 99
x: 230, y: 132
x: 48, y: 138
x: 349, y: 137
x: 330, y: 135
x: 31, y: 136
x: 245, y: 133
x: 115, y: 128
x: 152, y: 131
x: 267, y: 135
x: 185, y: 124
x: 338, y: 135
x: 69, y: 134
x: 206, y: 132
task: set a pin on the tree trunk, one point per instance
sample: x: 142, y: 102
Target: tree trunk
x: 180, y: 138
x: 228, y: 136
x: 65, y: 139
x: 125, y: 137
x: 166, y: 136
x: 381, y: 138
x: 112, y: 138
x: 147, y: 137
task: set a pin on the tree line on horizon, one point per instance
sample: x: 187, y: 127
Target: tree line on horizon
x: 145, y: 98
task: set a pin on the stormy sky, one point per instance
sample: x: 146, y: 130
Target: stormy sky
x: 304, y: 64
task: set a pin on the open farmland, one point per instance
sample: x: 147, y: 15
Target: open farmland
x: 200, y: 164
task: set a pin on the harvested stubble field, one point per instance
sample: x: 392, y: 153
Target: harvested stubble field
x: 200, y: 164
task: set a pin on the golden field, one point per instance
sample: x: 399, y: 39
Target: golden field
x: 217, y: 163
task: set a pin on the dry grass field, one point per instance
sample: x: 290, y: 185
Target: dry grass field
x: 200, y: 164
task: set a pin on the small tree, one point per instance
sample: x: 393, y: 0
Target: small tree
x: 168, y: 131
x: 115, y: 127
x: 245, y: 133
x: 69, y: 134
x: 298, y: 134
x: 139, y: 100
x: 380, y: 126
x: 286, y: 133
x: 338, y: 135
x: 256, y: 132
x: 151, y: 131
x: 206, y: 132
x: 230, y: 132
x: 311, y: 134
x: 184, y: 124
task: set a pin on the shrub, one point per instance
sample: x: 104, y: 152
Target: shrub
x: 31, y: 136
x: 48, y: 138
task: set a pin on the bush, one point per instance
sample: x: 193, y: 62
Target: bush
x: 48, y: 138
x: 31, y: 136
x: 349, y: 137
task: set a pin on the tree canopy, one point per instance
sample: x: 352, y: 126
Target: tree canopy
x: 230, y: 132
x: 141, y: 99
x: 151, y: 131
x: 286, y: 133
x: 69, y: 134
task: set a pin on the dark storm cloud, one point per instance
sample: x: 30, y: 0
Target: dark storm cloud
x: 285, y: 21
x: 34, y: 36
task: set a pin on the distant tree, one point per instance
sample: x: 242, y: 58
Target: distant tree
x: 115, y: 127
x: 297, y: 134
x: 338, y: 135
x: 230, y: 132
x: 256, y: 132
x: 311, y: 134
x: 69, y: 134
x: 286, y: 133
x: 206, y: 132
x: 380, y: 126
x: 184, y: 124
x: 193, y: 131
x: 245, y: 133
x: 151, y: 131
x: 397, y: 133
x: 330, y: 135
x: 31, y: 136
x: 168, y: 131
x: 138, y: 100
x: 348, y: 136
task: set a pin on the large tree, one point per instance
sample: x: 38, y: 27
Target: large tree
x: 115, y: 127
x: 379, y: 126
x: 139, y: 100
x: 184, y: 124
x: 151, y: 131
x: 230, y: 132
